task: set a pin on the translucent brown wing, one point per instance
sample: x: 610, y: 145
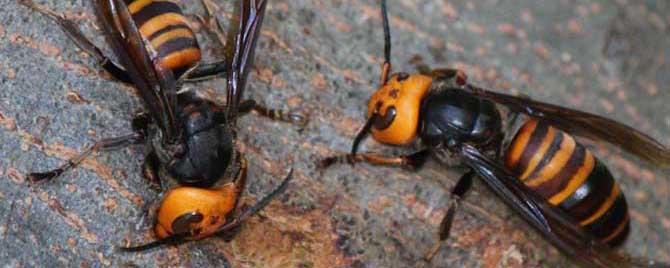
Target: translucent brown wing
x: 251, y: 19
x: 584, y: 124
x: 554, y: 224
x: 155, y: 84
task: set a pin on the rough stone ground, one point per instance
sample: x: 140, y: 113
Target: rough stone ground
x: 322, y: 57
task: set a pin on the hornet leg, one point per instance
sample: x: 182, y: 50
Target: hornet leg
x: 273, y: 114
x: 462, y: 186
x: 102, y: 145
x: 410, y: 161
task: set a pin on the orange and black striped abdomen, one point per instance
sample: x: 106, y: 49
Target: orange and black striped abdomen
x: 162, y: 23
x: 553, y: 164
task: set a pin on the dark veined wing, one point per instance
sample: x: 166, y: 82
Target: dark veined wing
x: 155, y: 84
x: 554, y: 224
x: 251, y: 19
x: 584, y: 124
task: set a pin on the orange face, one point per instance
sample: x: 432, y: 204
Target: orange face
x: 401, y: 95
x: 197, y: 211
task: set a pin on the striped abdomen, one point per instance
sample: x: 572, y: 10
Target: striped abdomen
x: 162, y: 23
x: 553, y: 164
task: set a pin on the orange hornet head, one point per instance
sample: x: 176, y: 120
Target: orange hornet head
x: 195, y: 211
x: 393, y: 110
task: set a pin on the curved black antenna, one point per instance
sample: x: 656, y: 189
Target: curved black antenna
x: 386, y: 67
x: 365, y: 130
x: 387, y: 33
x: 259, y: 205
x: 170, y: 240
x: 267, y: 198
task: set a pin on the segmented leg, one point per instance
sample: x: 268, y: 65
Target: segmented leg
x: 274, y: 114
x: 150, y: 171
x: 410, y: 161
x: 420, y: 65
x: 462, y: 186
x: 240, y: 180
x: 206, y: 71
x: 102, y: 145
x: 212, y: 23
x: 454, y: 77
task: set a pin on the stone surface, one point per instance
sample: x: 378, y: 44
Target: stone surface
x: 322, y: 57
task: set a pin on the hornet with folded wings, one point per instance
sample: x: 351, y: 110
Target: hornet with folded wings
x: 191, y: 138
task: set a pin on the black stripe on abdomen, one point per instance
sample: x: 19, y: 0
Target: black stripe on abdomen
x: 554, y: 147
x: 565, y: 176
x: 155, y: 8
x: 168, y: 28
x: 608, y: 223
x: 586, y: 200
x: 174, y: 45
x: 533, y: 145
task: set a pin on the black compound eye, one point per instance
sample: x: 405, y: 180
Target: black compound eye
x: 182, y: 224
x: 384, y: 121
